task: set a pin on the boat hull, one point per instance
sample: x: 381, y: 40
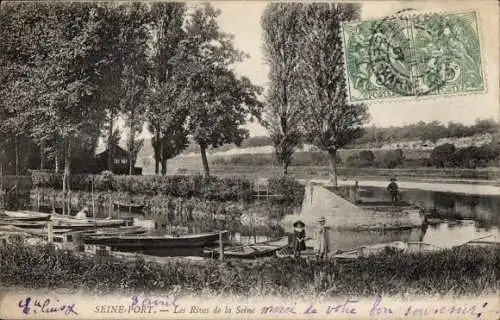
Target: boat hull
x: 141, y: 243
x: 26, y: 215
x: 253, y: 251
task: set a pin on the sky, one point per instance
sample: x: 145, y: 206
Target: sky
x: 242, y: 19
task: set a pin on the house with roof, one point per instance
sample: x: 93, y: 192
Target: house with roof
x: 120, y: 161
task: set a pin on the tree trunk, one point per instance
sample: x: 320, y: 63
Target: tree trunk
x: 67, y: 171
x: 203, y: 150
x: 110, y: 146
x: 156, y: 148
x: 42, y: 156
x: 16, y: 150
x: 56, y: 162
x: 285, y: 168
x: 163, y: 167
x: 333, y: 166
x: 157, y: 166
x: 131, y: 149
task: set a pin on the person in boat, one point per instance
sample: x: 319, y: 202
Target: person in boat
x: 321, y: 240
x: 83, y: 213
x: 393, y: 190
x: 299, y: 238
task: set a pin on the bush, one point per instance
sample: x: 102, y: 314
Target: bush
x: 391, y: 159
x: 442, y: 156
x: 363, y: 159
x: 212, y: 188
x: 288, y: 191
x: 472, y: 156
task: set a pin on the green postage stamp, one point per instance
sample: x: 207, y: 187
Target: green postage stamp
x: 412, y: 56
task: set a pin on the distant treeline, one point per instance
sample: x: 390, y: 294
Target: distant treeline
x: 443, y: 156
x: 430, y: 131
x: 377, y: 136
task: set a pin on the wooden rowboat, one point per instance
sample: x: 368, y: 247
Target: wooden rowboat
x: 127, y: 230
x: 365, y: 251
x: 27, y: 215
x: 74, y: 222
x: 251, y: 251
x: 145, y: 242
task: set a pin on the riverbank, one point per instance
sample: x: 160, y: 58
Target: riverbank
x: 459, y: 271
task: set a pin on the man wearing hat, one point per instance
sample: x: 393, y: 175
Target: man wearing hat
x: 393, y: 191
x: 299, y: 237
x: 321, y: 240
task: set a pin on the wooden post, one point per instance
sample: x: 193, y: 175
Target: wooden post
x: 110, y: 206
x: 258, y: 191
x: 221, y: 247
x: 37, y: 199
x: 50, y: 233
x: 92, y: 194
x: 1, y: 186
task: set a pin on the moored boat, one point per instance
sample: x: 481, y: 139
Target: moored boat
x: 27, y: 215
x: 72, y: 221
x: 399, y: 246
x: 126, y: 230
x: 130, y: 207
x: 484, y: 243
x: 144, y: 242
x: 250, y: 251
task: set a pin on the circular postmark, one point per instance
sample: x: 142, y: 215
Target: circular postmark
x: 399, y: 65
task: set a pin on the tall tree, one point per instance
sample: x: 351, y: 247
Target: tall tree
x: 113, y: 21
x: 219, y: 101
x: 134, y: 78
x: 283, y: 113
x: 58, y: 85
x: 331, y: 122
x: 166, y: 113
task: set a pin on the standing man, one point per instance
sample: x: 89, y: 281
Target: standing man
x: 356, y: 192
x: 321, y: 240
x: 393, y: 191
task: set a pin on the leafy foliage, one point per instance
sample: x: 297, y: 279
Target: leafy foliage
x: 167, y: 113
x: 223, y: 189
x: 442, y: 155
x: 219, y: 101
x: 283, y: 116
x: 288, y: 190
x: 330, y: 122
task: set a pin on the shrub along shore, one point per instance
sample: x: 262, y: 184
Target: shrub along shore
x: 459, y: 271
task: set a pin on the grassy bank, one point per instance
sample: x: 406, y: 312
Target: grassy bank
x: 318, y: 172
x: 457, y: 272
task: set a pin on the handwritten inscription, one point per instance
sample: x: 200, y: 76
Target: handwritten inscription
x: 168, y: 301
x: 378, y: 308
x: 44, y: 306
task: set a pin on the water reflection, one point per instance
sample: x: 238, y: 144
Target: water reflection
x: 452, y: 234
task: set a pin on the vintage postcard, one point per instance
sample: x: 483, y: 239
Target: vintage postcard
x: 249, y: 160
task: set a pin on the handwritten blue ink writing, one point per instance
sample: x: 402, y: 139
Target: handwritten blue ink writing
x: 154, y: 301
x: 378, y: 308
x: 347, y: 307
x: 416, y: 311
x: 311, y: 310
x: 45, y: 306
x: 279, y: 309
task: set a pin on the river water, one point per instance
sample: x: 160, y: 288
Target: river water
x: 467, y: 212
